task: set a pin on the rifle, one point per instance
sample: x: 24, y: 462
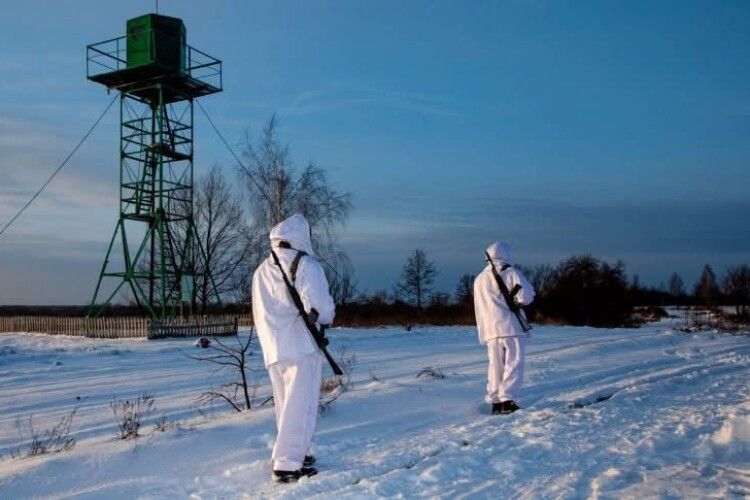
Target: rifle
x: 509, y: 295
x: 318, y: 336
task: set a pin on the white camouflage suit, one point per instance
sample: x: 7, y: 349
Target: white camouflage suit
x: 291, y: 356
x: 498, y: 327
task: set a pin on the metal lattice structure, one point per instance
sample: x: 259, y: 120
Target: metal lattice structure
x: 158, y: 76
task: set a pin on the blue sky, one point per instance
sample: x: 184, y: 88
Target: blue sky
x: 615, y: 128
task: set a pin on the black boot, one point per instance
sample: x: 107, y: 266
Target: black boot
x: 497, y: 408
x: 309, y: 461
x: 509, y: 407
x: 289, y: 476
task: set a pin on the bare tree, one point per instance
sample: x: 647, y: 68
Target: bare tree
x: 676, y: 286
x: 344, y: 285
x: 465, y: 290
x: 222, y: 256
x: 706, y: 288
x: 277, y: 190
x: 227, y: 245
x: 541, y: 278
x: 417, y: 277
x: 238, y: 393
x: 635, y: 283
x: 736, y: 285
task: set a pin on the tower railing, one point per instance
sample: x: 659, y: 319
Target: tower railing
x: 111, y: 55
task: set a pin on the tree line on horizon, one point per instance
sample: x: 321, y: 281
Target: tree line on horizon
x: 579, y: 290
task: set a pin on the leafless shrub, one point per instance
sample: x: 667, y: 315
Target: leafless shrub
x: 333, y: 387
x: 130, y: 414
x: 230, y: 394
x: 206, y: 413
x: 346, y: 361
x: 431, y: 372
x: 238, y: 394
x: 165, y: 425
x: 700, y: 320
x: 52, y: 440
x: 342, y: 278
x: 736, y: 286
x: 733, y: 323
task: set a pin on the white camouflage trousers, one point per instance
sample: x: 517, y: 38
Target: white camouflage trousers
x: 505, y: 371
x: 296, y: 394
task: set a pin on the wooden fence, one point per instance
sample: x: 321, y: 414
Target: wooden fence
x: 125, y: 327
x: 245, y: 320
x: 204, y: 326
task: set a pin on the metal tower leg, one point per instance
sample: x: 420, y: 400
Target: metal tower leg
x: 156, y: 194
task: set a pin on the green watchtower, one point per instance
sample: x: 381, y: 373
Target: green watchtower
x: 158, y: 76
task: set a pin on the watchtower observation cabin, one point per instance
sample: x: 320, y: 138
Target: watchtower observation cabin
x: 154, y: 248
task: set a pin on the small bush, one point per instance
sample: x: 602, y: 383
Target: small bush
x: 698, y: 320
x: 164, y: 424
x: 130, y: 414
x: 53, y: 440
x: 334, y: 386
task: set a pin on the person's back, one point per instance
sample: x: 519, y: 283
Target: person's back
x: 281, y: 331
x: 291, y: 356
x: 494, y: 317
x: 500, y: 329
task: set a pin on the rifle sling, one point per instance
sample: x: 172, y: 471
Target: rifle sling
x: 295, y: 265
x: 317, y: 335
x: 508, y: 295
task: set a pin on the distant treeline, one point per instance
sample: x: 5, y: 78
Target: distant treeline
x: 580, y: 290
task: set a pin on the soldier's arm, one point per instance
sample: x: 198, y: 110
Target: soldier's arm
x: 314, y: 291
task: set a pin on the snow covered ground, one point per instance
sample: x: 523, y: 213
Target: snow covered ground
x: 647, y: 412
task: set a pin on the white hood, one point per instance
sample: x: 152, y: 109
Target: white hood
x: 500, y: 252
x: 296, y: 231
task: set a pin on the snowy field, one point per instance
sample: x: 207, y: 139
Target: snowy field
x: 624, y: 413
